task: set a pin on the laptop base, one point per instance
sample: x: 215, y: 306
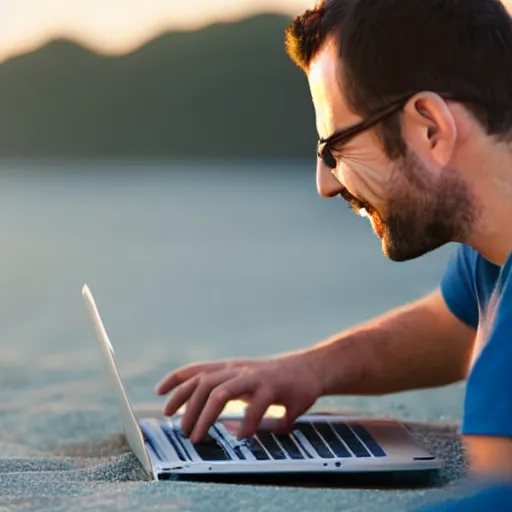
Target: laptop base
x: 326, y: 448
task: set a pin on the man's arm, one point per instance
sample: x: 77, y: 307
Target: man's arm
x: 416, y: 346
x: 489, y: 456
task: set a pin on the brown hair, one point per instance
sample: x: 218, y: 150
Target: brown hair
x: 392, y: 48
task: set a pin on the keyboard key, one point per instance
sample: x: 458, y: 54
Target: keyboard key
x: 289, y: 446
x: 239, y: 453
x: 351, y: 440
x: 256, y: 449
x: 299, y: 439
x: 314, y: 439
x: 175, y: 444
x: 270, y: 444
x: 330, y: 437
x: 209, y: 449
x: 368, y: 440
x: 149, y: 438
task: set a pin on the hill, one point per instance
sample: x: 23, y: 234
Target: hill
x: 226, y: 91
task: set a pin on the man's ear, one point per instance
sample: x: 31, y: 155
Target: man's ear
x: 429, y: 128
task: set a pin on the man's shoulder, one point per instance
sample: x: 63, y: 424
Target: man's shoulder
x: 468, y: 283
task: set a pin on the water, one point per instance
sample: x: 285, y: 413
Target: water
x: 187, y: 262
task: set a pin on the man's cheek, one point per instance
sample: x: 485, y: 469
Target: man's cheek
x: 369, y: 173
x: 367, y: 181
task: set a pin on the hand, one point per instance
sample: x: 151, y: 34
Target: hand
x: 289, y: 380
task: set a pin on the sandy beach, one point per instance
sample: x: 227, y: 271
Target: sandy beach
x: 102, y: 474
x: 185, y: 266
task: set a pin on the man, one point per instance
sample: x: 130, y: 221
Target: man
x: 413, y: 104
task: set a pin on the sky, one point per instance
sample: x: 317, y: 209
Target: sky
x: 117, y: 26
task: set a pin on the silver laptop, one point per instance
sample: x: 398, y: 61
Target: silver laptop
x: 318, y: 443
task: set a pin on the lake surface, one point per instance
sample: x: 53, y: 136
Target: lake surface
x: 187, y: 262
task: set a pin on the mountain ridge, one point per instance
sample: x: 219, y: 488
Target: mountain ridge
x: 227, y: 90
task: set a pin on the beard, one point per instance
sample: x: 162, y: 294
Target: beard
x: 425, y: 212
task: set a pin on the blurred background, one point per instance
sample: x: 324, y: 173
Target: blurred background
x: 164, y: 152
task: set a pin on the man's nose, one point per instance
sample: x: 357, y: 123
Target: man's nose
x: 326, y: 183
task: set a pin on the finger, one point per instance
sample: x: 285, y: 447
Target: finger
x: 200, y: 395
x: 187, y: 372
x: 255, y: 411
x: 183, y: 374
x: 217, y: 400
x: 285, y: 424
x: 181, y: 394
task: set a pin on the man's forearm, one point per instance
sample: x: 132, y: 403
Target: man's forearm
x: 417, y: 346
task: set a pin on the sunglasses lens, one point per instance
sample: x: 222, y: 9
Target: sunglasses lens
x: 328, y: 158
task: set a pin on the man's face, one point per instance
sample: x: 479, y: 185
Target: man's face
x: 414, y: 208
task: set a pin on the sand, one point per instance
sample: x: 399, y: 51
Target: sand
x: 102, y: 474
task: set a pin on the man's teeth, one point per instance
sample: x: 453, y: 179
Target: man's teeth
x: 363, y: 212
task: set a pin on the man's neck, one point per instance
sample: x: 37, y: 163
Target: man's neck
x: 492, y: 173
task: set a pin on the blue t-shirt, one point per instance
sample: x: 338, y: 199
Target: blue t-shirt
x: 479, y: 293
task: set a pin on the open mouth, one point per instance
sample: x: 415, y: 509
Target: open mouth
x: 359, y: 207
x: 363, y: 209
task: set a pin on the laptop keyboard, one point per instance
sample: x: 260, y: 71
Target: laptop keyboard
x: 268, y: 441
x: 350, y: 439
x: 257, y: 449
x: 308, y: 440
x: 335, y: 444
x: 209, y: 449
x: 313, y: 437
x: 326, y: 440
x: 367, y: 439
x: 290, y: 447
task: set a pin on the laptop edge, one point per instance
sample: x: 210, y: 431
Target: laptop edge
x: 129, y: 422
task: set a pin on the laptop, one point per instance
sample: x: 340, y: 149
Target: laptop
x: 318, y: 443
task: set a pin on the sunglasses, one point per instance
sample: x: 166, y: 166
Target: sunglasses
x: 343, y: 136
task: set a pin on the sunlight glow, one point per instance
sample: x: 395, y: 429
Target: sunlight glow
x: 238, y: 407
x: 120, y: 26
x: 117, y: 26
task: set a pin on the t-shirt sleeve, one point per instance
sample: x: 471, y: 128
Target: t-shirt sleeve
x: 488, y: 402
x: 457, y: 286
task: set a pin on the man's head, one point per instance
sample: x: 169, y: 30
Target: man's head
x: 404, y: 92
